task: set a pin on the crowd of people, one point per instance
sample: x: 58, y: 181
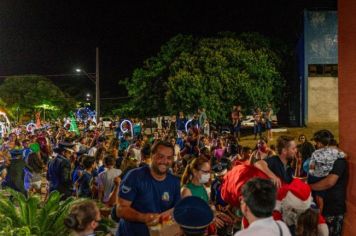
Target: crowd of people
x: 205, y: 180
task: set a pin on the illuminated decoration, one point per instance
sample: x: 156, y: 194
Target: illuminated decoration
x: 85, y: 114
x: 124, y: 130
x: 66, y: 123
x: 46, y: 107
x: 73, y: 124
x: 5, y: 124
x: 30, y: 127
x: 186, y: 125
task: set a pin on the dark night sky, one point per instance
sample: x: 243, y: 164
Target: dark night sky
x: 54, y: 37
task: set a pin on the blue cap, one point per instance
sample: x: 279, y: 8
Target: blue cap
x: 193, y: 214
x: 220, y: 168
x: 64, y: 146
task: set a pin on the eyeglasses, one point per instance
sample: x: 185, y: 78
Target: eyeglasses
x: 205, y: 171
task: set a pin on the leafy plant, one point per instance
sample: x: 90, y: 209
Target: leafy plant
x: 42, y: 219
x: 215, y: 73
x: 29, y: 216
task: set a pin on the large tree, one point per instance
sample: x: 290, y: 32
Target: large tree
x: 215, y: 73
x: 23, y: 94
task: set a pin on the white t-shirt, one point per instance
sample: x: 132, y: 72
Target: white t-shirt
x: 106, y: 181
x: 92, y: 151
x: 265, y: 227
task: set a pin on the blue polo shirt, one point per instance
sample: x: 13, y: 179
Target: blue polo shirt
x: 147, y: 196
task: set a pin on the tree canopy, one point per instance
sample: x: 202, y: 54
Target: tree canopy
x: 215, y: 73
x: 32, y: 92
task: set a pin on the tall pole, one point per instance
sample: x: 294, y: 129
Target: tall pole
x: 97, y: 87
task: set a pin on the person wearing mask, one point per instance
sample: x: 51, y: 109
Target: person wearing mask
x: 83, y: 218
x: 148, y: 193
x: 196, y: 174
x: 257, y: 204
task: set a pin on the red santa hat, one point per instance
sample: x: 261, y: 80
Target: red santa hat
x: 296, y: 196
x: 235, y: 179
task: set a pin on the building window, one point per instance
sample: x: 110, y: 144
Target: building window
x: 322, y: 70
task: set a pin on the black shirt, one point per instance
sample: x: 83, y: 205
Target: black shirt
x: 284, y: 172
x: 334, y: 201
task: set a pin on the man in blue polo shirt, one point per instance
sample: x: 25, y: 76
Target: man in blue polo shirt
x: 147, y: 193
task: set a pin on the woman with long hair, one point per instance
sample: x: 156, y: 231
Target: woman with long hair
x: 261, y: 151
x: 196, y: 174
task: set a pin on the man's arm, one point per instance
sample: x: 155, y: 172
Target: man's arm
x: 100, y: 188
x: 125, y: 211
x: 329, y: 181
x: 263, y: 166
x: 325, y: 183
x: 114, y: 195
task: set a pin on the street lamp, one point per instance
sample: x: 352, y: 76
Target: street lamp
x: 94, y: 77
x: 88, y: 96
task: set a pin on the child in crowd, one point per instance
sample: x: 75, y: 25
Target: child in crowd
x: 322, y: 161
x: 85, y: 180
x: 83, y: 218
x: 106, y: 179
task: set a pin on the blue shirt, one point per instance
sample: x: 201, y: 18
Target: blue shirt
x: 284, y: 172
x: 58, y: 175
x: 215, y: 193
x: 180, y: 123
x: 84, y: 185
x: 147, y: 195
x: 180, y: 142
x: 26, y: 153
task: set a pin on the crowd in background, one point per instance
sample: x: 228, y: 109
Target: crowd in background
x: 179, y: 160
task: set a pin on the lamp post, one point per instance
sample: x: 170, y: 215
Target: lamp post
x: 94, y: 77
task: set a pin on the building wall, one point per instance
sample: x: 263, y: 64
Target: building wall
x: 323, y: 99
x: 347, y: 103
x: 320, y: 41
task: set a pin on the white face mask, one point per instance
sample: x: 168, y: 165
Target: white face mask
x: 204, y: 178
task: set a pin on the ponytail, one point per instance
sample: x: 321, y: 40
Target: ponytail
x: 194, y: 164
x: 81, y: 215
